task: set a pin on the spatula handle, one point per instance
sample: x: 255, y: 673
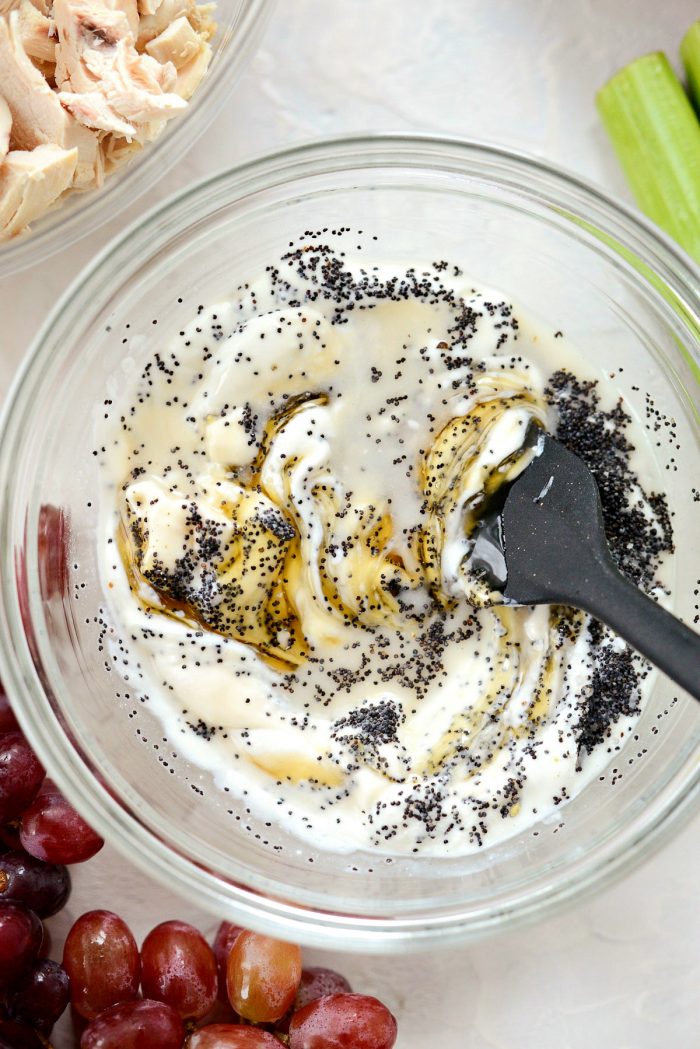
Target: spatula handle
x: 648, y: 627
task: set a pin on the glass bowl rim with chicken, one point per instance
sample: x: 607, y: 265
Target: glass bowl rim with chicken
x: 79, y: 212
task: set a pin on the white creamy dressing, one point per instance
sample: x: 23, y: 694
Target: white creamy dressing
x: 371, y: 715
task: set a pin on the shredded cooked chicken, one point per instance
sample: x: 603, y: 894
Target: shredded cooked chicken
x: 37, y: 33
x: 30, y: 181
x: 179, y: 43
x: 95, y: 80
x: 5, y: 127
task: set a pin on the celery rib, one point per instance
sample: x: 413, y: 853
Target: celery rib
x: 656, y: 136
x: 690, y: 56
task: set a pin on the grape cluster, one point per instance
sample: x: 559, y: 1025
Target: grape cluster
x: 39, y: 834
x: 245, y: 991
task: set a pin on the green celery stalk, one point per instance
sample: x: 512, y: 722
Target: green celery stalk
x: 656, y: 136
x: 690, y: 56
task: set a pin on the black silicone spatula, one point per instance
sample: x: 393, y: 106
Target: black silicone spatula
x: 546, y: 543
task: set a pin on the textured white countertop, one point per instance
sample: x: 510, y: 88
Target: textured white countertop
x: 618, y: 972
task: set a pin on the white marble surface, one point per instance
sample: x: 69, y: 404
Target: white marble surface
x: 619, y: 972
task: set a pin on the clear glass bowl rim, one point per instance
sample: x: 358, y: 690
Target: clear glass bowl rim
x: 128, y: 184
x: 437, y: 925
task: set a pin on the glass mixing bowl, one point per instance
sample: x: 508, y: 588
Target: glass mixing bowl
x: 240, y: 24
x: 624, y: 294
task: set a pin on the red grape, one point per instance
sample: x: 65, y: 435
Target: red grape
x: 231, y: 1036
x: 222, y: 1013
x: 40, y: 996
x: 53, y: 831
x: 226, y: 936
x: 9, y: 836
x: 8, y: 721
x: 52, y: 551
x: 262, y: 977
x: 318, y: 983
x: 315, y: 983
x: 21, y: 775
x: 341, y: 1021
x: 135, y: 1025
x: 17, y: 1036
x: 179, y: 968
x: 101, y: 957
x: 44, y: 887
x: 21, y: 934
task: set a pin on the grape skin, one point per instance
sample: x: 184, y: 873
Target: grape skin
x: 231, y: 1036
x: 226, y: 936
x: 262, y: 977
x: 21, y: 775
x: 179, y: 968
x: 18, y: 1036
x: 8, y: 721
x: 102, y: 960
x: 342, y: 1020
x: 41, y: 996
x: 51, y: 830
x: 43, y: 887
x: 317, y: 982
x: 9, y: 836
x: 21, y: 934
x: 135, y: 1025
x: 52, y: 536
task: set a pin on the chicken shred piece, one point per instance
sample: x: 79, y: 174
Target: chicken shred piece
x: 5, y: 127
x: 198, y: 15
x: 201, y: 17
x: 37, y: 33
x: 149, y: 131
x: 190, y: 76
x: 83, y: 29
x: 30, y: 182
x: 38, y: 117
x: 47, y: 69
x: 105, y: 83
x: 43, y: 6
x: 149, y: 7
x: 92, y: 109
x: 130, y: 9
x: 178, y: 43
x: 117, y: 150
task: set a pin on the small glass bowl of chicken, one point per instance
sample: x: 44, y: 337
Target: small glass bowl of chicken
x: 98, y: 98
